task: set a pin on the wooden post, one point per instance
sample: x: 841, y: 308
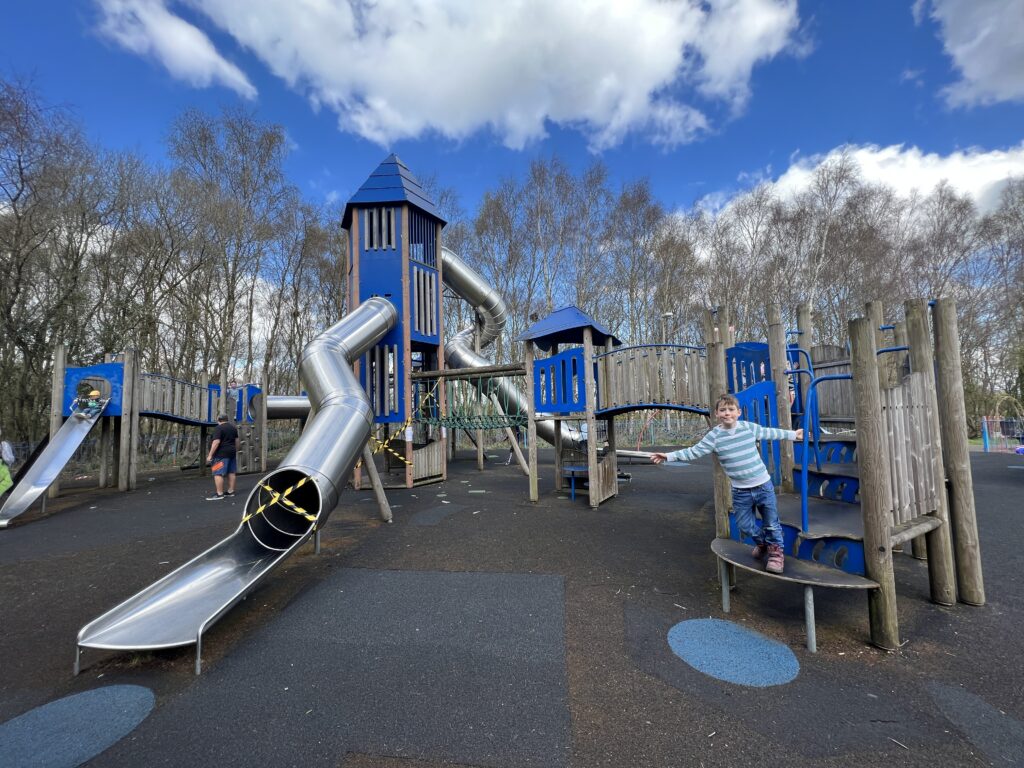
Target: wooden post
x: 725, y: 330
x: 876, y: 312
x: 133, y: 465
x: 779, y: 362
x: 611, y: 435
x: 407, y: 348
x: 875, y: 494
x: 513, y: 444
x: 590, y: 399
x: 955, y: 454
x: 723, y: 488
x: 204, y: 382
x: 899, y: 335
x: 262, y: 426
x: 531, y: 423
x: 805, y: 340
x: 558, y: 436
x: 124, y: 449
x: 716, y: 387
x: 442, y: 395
x: 378, y: 487
x: 558, y: 454
x: 105, y: 447
x: 479, y: 407
x: 941, y: 574
x: 60, y: 353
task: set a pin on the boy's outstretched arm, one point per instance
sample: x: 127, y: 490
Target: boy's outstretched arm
x: 774, y: 433
x: 703, y: 448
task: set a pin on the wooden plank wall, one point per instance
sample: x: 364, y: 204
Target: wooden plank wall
x: 428, y: 461
x: 607, y: 484
x: 161, y: 394
x: 910, y: 438
x: 835, y: 398
x: 652, y: 374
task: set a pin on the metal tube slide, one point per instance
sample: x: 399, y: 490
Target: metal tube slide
x: 490, y: 308
x: 51, y: 461
x: 333, y: 440
x: 458, y: 349
x: 287, y: 406
x: 178, y: 608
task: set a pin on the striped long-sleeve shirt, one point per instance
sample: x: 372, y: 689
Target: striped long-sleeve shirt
x: 737, y: 451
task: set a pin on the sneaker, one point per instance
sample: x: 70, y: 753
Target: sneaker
x: 229, y: 493
x: 759, y: 551
x: 215, y: 497
x: 776, y: 561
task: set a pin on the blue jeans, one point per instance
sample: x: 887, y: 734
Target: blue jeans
x: 762, y: 499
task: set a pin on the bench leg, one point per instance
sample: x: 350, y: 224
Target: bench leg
x: 723, y: 578
x: 812, y: 640
x: 572, y: 487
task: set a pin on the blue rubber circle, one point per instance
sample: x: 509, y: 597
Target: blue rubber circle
x: 729, y: 652
x: 68, y: 732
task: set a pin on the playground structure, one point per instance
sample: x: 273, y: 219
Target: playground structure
x: 360, y: 392
x: 890, y: 468
x: 380, y: 386
x: 127, y: 395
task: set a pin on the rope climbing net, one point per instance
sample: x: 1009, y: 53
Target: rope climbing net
x: 473, y: 400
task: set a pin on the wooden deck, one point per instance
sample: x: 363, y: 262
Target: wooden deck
x: 826, y: 519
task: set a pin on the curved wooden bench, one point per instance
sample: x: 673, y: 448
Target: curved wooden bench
x: 804, y: 572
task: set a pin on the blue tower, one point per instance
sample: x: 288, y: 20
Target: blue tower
x: 395, y: 252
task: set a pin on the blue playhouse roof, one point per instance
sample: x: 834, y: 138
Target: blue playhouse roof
x: 392, y: 182
x: 565, y: 326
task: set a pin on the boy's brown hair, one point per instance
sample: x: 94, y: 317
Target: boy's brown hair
x: 726, y: 399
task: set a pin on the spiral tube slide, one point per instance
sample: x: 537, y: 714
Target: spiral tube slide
x: 281, y: 512
x: 490, y: 309
x: 458, y: 349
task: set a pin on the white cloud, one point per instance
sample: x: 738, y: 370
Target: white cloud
x: 147, y: 28
x: 975, y: 172
x: 396, y: 69
x: 737, y: 35
x: 984, y: 39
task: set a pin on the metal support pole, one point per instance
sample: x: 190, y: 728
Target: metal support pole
x: 812, y: 639
x: 723, y: 578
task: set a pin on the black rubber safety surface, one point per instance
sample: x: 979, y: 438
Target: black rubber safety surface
x: 495, y: 632
x: 458, y: 667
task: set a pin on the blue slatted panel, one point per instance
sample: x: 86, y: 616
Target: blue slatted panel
x: 758, y: 405
x: 558, y: 383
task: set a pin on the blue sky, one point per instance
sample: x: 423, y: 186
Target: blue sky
x: 701, y: 98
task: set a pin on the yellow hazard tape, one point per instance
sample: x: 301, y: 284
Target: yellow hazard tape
x: 381, y: 446
x: 284, y: 501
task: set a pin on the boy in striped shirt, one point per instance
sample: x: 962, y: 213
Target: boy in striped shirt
x: 735, y: 443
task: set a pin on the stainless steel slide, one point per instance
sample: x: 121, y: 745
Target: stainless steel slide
x: 490, y: 308
x: 458, y: 349
x: 281, y: 513
x: 51, y: 461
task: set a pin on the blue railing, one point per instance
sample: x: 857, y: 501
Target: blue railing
x: 559, y: 385
x: 759, y: 405
x: 812, y: 424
